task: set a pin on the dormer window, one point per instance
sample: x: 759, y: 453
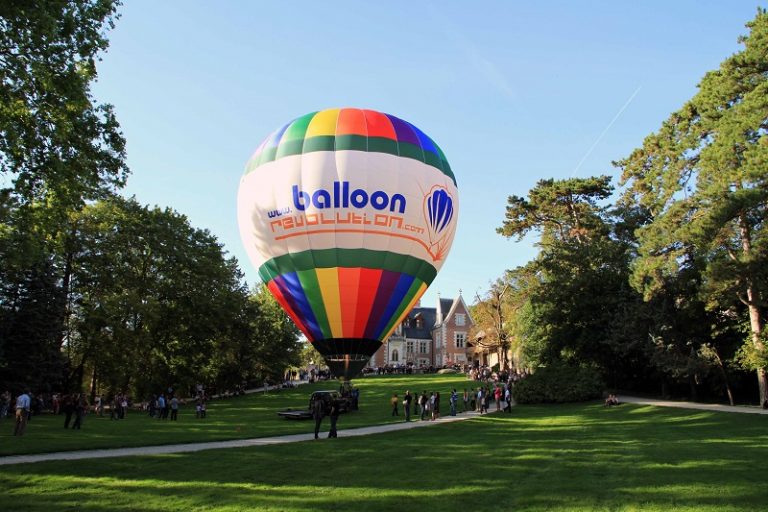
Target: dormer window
x: 419, y: 322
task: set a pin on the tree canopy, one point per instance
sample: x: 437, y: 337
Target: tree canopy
x: 97, y: 290
x: 703, y: 177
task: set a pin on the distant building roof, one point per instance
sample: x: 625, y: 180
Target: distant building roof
x: 445, y: 306
x: 428, y: 317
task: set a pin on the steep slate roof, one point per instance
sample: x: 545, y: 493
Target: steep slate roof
x: 445, y: 307
x: 429, y: 316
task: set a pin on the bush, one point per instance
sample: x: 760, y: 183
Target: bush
x: 558, y: 384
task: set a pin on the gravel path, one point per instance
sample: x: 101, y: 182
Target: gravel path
x: 744, y: 409
x: 364, y: 431
x: 235, y: 443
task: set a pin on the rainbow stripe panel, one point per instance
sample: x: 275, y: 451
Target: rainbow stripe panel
x: 350, y: 129
x: 335, y: 293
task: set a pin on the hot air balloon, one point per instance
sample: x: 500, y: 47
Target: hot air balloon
x: 348, y: 214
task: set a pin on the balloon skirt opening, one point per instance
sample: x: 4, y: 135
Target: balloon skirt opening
x: 346, y: 357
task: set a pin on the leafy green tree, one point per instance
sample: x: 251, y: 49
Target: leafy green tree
x: 279, y: 346
x: 58, y: 149
x: 155, y: 302
x: 581, y: 309
x: 558, y: 210
x: 29, y: 333
x: 490, y: 313
x: 56, y: 144
x: 497, y: 313
x: 703, y: 179
x: 261, y: 344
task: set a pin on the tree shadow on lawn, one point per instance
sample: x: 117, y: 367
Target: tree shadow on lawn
x: 581, y: 457
x: 243, y: 417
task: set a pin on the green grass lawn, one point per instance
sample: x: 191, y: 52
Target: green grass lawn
x: 570, y: 457
x: 244, y: 417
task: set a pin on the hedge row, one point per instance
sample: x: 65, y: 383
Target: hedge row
x: 558, y: 384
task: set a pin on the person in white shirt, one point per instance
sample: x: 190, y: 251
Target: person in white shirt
x: 23, y: 403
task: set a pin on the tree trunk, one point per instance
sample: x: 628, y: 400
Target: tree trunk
x: 79, y: 374
x: 725, y: 377
x: 755, y: 318
x: 66, y: 282
x: 93, y: 385
x: 756, y: 326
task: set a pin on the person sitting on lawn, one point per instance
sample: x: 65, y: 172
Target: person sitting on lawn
x: 611, y: 400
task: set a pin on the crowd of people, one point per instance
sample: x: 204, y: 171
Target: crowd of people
x: 25, y: 405
x: 495, y: 387
x: 74, y: 407
x: 427, y: 406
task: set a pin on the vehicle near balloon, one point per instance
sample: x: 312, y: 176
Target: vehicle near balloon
x: 327, y: 397
x: 348, y: 214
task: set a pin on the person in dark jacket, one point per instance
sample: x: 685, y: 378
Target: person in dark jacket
x: 81, y: 407
x: 335, y: 406
x: 318, y: 412
x: 68, y: 408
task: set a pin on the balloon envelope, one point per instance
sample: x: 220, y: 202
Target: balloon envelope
x: 348, y: 215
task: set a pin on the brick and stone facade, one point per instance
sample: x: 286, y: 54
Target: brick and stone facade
x: 429, y: 337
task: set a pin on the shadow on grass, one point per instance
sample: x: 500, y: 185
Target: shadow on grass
x: 244, y: 417
x: 575, y: 457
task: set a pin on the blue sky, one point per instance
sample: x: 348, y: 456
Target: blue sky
x: 513, y: 92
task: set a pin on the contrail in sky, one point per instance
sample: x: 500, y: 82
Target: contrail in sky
x: 597, y: 141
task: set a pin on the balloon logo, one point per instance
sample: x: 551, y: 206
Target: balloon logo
x: 348, y: 214
x: 440, y: 206
x: 438, y: 210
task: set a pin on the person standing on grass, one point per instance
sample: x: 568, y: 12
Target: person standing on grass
x: 335, y: 406
x: 174, y: 408
x: 394, y: 401
x: 55, y: 404
x: 81, y: 406
x: 23, y: 404
x: 453, y: 399
x: 497, y: 398
x: 423, y: 401
x: 160, y: 406
x: 68, y: 408
x: 114, y: 407
x: 407, y: 405
x: 318, y: 412
x: 436, y: 407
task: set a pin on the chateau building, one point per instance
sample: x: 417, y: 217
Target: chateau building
x: 430, y: 337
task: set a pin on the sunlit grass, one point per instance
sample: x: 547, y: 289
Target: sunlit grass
x: 244, y: 417
x: 580, y: 457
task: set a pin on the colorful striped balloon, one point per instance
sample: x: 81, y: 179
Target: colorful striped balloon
x: 348, y: 214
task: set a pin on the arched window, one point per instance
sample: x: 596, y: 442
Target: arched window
x: 395, y: 356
